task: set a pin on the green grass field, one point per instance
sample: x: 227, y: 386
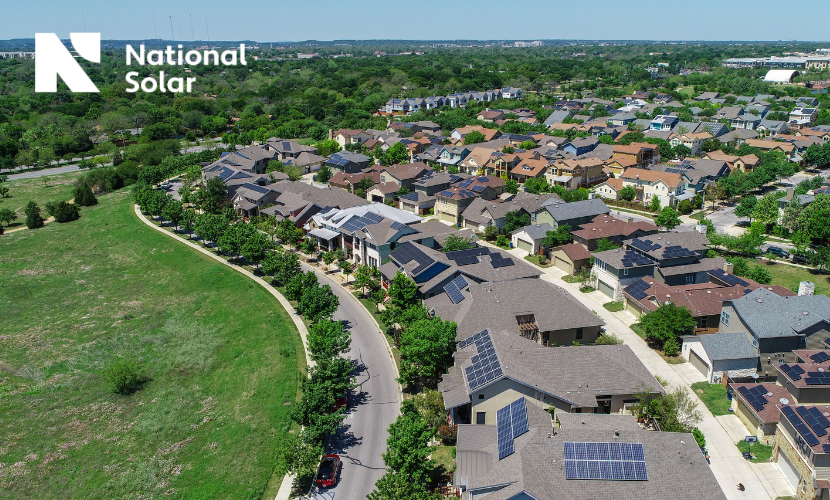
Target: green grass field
x: 762, y: 452
x: 791, y: 276
x: 222, y: 356
x: 56, y: 188
x: 713, y: 396
x: 534, y: 259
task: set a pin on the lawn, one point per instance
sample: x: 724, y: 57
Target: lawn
x: 221, y: 355
x: 534, y: 259
x: 444, y: 457
x: 614, y: 306
x: 570, y: 279
x: 57, y: 188
x: 700, y: 215
x: 713, y: 396
x: 790, y: 276
x: 762, y: 452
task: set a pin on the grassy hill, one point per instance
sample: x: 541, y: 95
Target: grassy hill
x: 221, y: 354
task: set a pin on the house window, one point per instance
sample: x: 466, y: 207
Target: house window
x: 481, y: 418
x: 702, y: 322
x: 690, y: 280
x: 625, y: 272
x: 724, y: 318
x: 803, y: 340
x: 579, y: 332
x: 481, y: 396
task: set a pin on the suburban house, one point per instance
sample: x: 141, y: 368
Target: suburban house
x: 698, y: 174
x: 345, y: 136
x: 745, y: 163
x: 251, y: 159
x: 805, y: 380
x: 680, y: 256
x: 433, y: 271
x: 570, y: 258
x: 382, y: 192
x: 531, y: 168
x: 767, y: 145
x: 482, y: 213
x: 458, y: 135
x: 802, y: 449
x: 451, y: 202
x: 622, y: 119
x: 422, y: 199
x: 287, y: 150
x: 581, y: 146
x: 349, y: 182
x: 235, y: 178
x: 777, y: 325
x: 758, y: 407
x: 405, y: 175
x: 552, y: 317
x: 575, y: 173
x: 664, y: 122
x: 349, y: 163
x: 610, y: 189
x: 556, y: 212
x: 249, y: 199
x: 529, y: 238
x: 721, y: 355
x: 642, y: 153
x: 615, y: 269
x: 803, y: 116
x: 492, y: 368
x: 545, y: 460
x: 612, y: 229
x: 692, y: 141
x: 298, y: 201
x: 490, y: 115
x: 667, y: 186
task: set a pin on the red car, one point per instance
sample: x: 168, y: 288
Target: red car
x: 341, y: 402
x: 327, y: 473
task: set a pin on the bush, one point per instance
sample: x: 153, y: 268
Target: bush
x: 671, y: 348
x: 760, y: 274
x: 448, y: 434
x: 543, y: 261
x: 684, y: 207
x: 66, y: 212
x: 84, y: 197
x: 609, y: 339
x: 699, y: 437
x: 33, y: 218
x: 502, y: 241
x: 491, y: 233
x: 124, y: 376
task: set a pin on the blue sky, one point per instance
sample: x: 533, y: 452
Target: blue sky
x: 280, y: 20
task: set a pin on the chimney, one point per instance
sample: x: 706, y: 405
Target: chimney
x: 806, y: 288
x: 728, y: 267
x: 630, y: 220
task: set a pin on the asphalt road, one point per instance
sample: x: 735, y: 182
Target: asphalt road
x: 46, y: 171
x: 373, y: 405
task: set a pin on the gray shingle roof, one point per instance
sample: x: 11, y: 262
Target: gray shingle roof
x: 561, y: 211
x: 536, y: 231
x: 769, y: 315
x: 720, y: 346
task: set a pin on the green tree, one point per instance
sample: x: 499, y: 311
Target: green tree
x: 681, y: 151
x: 328, y: 259
x: 561, y: 236
x: 668, y: 322
x: 511, y: 186
x: 327, y: 147
x: 628, y: 193
x: 189, y: 221
x: 426, y: 351
x: 766, y: 209
x: 124, y: 376
x: 215, y: 194
x: 66, y: 212
x: 8, y: 216
x: 491, y: 233
x: 318, y: 303
x: 605, y: 244
x: 667, y: 218
x: 173, y: 211
x: 298, y: 284
x: 407, y: 447
x: 474, y: 137
x: 296, y: 454
x: 514, y: 220
x: 814, y: 219
x: 4, y: 192
x: 455, y: 242
x: 33, y: 217
x: 327, y: 339
x: 323, y: 174
x: 397, y: 154
x: 527, y: 145
x: 403, y: 292
x: 233, y: 238
x: 255, y: 247
x: 654, y: 204
x: 760, y: 274
x: 283, y: 266
x: 210, y: 227
x: 746, y: 206
x: 363, y: 278
x: 347, y: 267
x: 84, y: 197
x: 684, y: 207
x: 395, y: 486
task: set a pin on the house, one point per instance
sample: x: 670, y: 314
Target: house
x: 802, y: 449
x: 612, y: 229
x: 680, y: 256
x: 382, y: 192
x: 614, y: 270
x: 490, y: 115
x: 529, y: 238
x: 761, y: 414
x: 804, y: 379
x: 482, y: 213
x: 766, y: 145
x: 345, y: 136
x: 557, y: 117
x: 287, y: 150
x: 422, y: 199
x: 772, y: 127
x: 570, y: 258
x: 349, y: 182
x: 729, y: 113
x: 235, y: 178
x: 451, y: 202
x: 622, y: 119
x: 667, y: 186
x: 428, y: 127
x: 744, y: 163
x: 610, y: 189
x: 350, y: 163
x: 697, y: 173
x: 501, y: 366
x: 405, y: 175
x: 511, y: 93
x: 553, y: 317
x: 721, y: 355
x: 664, y: 122
x: 544, y: 461
x: 309, y: 162
x: 778, y: 325
x: 739, y: 135
x: 432, y: 271
x: 459, y: 134
x: 527, y: 169
x: 575, y: 173
x: 642, y: 153
x: 556, y: 212
x: 251, y: 159
x: 803, y: 116
x: 705, y: 96
x: 578, y: 147
x: 249, y: 199
x: 692, y: 141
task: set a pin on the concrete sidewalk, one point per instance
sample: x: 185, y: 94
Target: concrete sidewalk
x: 727, y: 463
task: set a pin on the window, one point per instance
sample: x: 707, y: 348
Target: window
x: 702, y: 322
x: 625, y: 272
x: 481, y: 418
x: 579, y: 332
x: 690, y: 280
x: 481, y: 396
x: 724, y: 318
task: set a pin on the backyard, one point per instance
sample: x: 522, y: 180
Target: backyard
x: 221, y: 360
x: 713, y: 396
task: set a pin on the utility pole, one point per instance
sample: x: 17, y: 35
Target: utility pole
x: 172, y: 35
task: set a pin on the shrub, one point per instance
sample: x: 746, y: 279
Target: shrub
x: 448, y: 434
x: 84, y: 196
x: 684, y: 207
x: 760, y: 274
x: 124, y: 376
x: 609, y: 339
x: 66, y: 212
x: 699, y: 437
x: 33, y: 218
x: 543, y: 261
x: 671, y: 348
x: 502, y: 241
x: 491, y: 233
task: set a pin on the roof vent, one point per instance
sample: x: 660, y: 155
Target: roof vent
x: 785, y: 401
x: 708, y: 291
x: 805, y: 313
x: 760, y: 300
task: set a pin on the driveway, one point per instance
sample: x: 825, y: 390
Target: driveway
x: 373, y: 405
x: 727, y: 463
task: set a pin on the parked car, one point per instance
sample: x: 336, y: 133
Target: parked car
x: 328, y: 471
x: 778, y: 251
x: 341, y: 402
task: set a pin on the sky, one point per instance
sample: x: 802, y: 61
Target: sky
x: 281, y: 20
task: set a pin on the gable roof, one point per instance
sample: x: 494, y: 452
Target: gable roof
x: 561, y: 211
x: 768, y: 315
x: 669, y: 178
x: 607, y: 226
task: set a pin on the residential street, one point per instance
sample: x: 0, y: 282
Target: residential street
x: 729, y: 467
x: 373, y: 405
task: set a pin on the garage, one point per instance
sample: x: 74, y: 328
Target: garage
x: 563, y: 265
x: 788, y: 470
x: 606, y: 288
x: 524, y: 245
x: 697, y: 362
x: 633, y: 307
x: 448, y: 217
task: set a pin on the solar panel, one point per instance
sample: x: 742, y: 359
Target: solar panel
x: 790, y: 372
x: 485, y: 366
x: 482, y: 179
x: 504, y: 431
x: 445, y: 193
x: 478, y: 189
x: 397, y: 225
x: 466, y: 183
x: 797, y: 369
x: 518, y: 413
x: 605, y: 461
x: 371, y: 216
x: 454, y: 293
x: 460, y: 282
x: 820, y: 357
x: 497, y: 263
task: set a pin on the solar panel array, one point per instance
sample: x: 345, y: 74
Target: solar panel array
x: 452, y: 291
x: 605, y: 461
x: 755, y: 396
x: 637, y: 289
x: 818, y: 378
x: 802, y: 428
x: 397, y: 225
x: 460, y: 282
x: 511, y: 422
x: 468, y: 256
x: 373, y: 217
x: 407, y: 253
x: 482, y: 179
x: 485, y: 365
x: 630, y: 259
x: 677, y: 251
x: 730, y: 279
x: 478, y: 188
x: 820, y: 357
x: 794, y: 372
x: 446, y: 193
x: 465, y: 183
x: 644, y: 245
x: 497, y: 260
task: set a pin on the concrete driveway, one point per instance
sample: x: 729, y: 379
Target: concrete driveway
x: 373, y: 405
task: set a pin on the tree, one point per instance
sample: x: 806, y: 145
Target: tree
x: 455, y: 242
x: 377, y: 297
x: 697, y: 204
x: 347, y: 267
x: 604, y: 244
x: 403, y: 292
x: 233, y: 238
x: 527, y: 145
x: 746, y: 206
x: 628, y: 193
x: 684, y: 207
x: 296, y: 454
x: 66, y: 212
x: 760, y: 274
x: 491, y: 233
x: 84, y: 197
x: 715, y: 192
x: 328, y: 259
x: 189, y: 221
x: 283, y: 266
x: 426, y: 351
x: 314, y: 409
x: 667, y: 218
x: 514, y: 220
x: 210, y: 227
x: 323, y: 174
x: 397, y: 154
x: 676, y: 411
x: 395, y: 486
x: 511, y: 186
x: 298, y: 284
x: 318, y: 303
x: 766, y: 209
x: 327, y: 147
x: 33, y: 217
x: 173, y: 211
x: 654, y: 204
x: 4, y: 192
x: 363, y: 278
x: 327, y: 339
x: 407, y: 447
x: 309, y: 245
x: 814, y: 219
x: 215, y: 194
x: 255, y: 247
x: 667, y: 322
x: 681, y: 151
x: 561, y: 236
x: 474, y: 137
x: 8, y: 216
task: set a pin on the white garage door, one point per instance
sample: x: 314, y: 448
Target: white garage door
x: 699, y: 363
x: 606, y: 289
x: 788, y: 470
x: 524, y: 245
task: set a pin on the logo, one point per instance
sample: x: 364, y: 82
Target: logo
x: 53, y: 59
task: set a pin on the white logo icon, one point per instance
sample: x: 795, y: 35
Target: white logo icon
x: 52, y: 58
